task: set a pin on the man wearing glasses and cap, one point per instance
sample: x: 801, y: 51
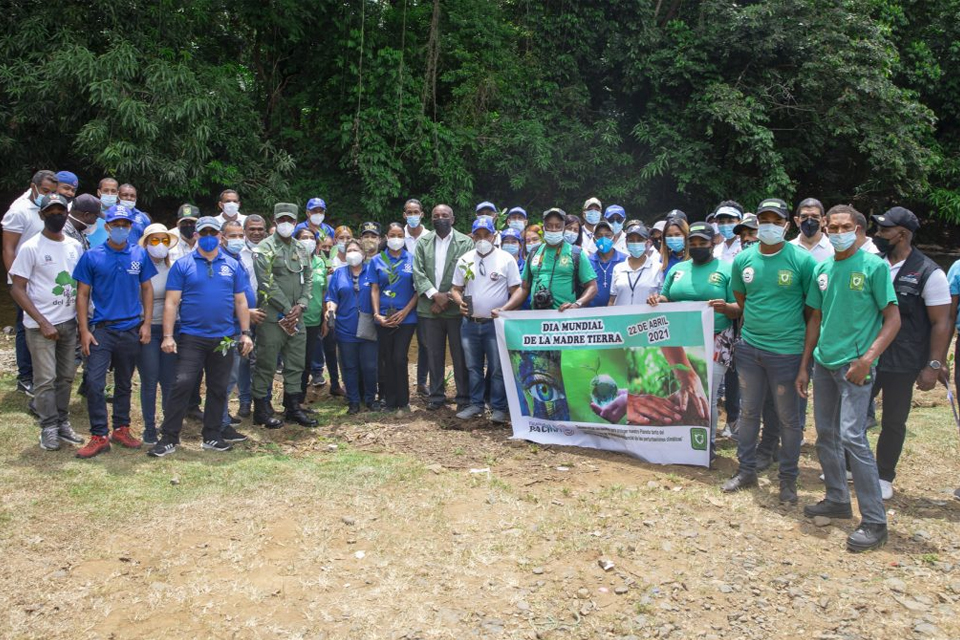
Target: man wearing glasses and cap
x: 316, y: 216
x: 187, y: 216
x: 285, y: 280
x: 82, y: 219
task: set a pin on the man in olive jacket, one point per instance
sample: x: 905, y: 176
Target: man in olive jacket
x: 434, y: 261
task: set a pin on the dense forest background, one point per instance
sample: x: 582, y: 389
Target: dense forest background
x: 654, y: 104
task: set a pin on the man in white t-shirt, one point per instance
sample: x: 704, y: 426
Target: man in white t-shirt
x: 483, y: 280
x: 727, y: 216
x: 229, y: 205
x: 45, y: 289
x: 809, y: 219
x: 592, y: 213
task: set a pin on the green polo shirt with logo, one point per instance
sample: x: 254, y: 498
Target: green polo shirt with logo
x: 689, y: 282
x: 554, y: 271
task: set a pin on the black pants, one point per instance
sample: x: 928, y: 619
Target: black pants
x: 394, y: 344
x: 897, y: 391
x: 423, y: 361
x: 438, y: 333
x: 313, y: 336
x: 197, y: 354
x: 330, y: 355
x: 731, y: 401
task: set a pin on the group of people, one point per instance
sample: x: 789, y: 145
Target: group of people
x: 233, y: 298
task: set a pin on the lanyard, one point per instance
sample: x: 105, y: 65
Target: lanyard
x: 606, y: 272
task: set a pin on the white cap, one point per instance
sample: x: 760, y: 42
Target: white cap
x: 659, y: 225
x: 592, y: 201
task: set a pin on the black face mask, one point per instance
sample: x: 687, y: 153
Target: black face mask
x: 187, y: 231
x: 883, y: 245
x: 54, y: 222
x: 656, y: 243
x: 809, y: 227
x: 442, y: 226
x: 701, y: 255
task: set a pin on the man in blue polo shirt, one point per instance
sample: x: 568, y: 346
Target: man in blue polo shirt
x: 116, y: 276
x: 316, y: 214
x: 208, y: 286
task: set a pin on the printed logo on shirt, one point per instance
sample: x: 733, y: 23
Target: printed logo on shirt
x: 225, y: 270
x: 822, y: 281
x: 48, y: 259
x: 785, y: 277
x: 564, y: 261
x: 65, y: 286
x: 679, y: 274
x: 134, y: 269
x: 748, y: 275
x: 857, y: 280
x: 408, y: 268
x: 495, y: 276
x: 715, y: 278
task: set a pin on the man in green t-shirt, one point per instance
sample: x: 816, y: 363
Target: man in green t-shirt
x: 854, y: 319
x: 550, y: 271
x: 770, y: 284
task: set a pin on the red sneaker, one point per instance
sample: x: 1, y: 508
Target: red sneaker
x: 96, y: 446
x: 122, y: 435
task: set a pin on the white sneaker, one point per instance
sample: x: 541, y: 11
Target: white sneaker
x: 886, y: 490
x: 849, y: 476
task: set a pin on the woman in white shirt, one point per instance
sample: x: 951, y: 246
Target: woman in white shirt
x: 639, y: 275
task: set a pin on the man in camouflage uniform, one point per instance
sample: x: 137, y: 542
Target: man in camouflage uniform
x: 285, y: 280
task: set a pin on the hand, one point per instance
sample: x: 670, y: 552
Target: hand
x: 568, y: 305
x: 324, y: 330
x: 691, y: 390
x: 144, y: 333
x: 87, y: 339
x: 647, y: 408
x: 464, y: 309
x: 944, y: 376
x: 613, y: 412
x: 257, y: 315
x: 379, y: 319
x: 441, y: 300
x: 48, y: 331
x: 719, y: 306
x: 168, y: 345
x: 246, y: 345
x: 928, y: 378
x: 653, y: 299
x: 802, y: 383
x: 859, y: 370
x: 294, y: 312
x: 397, y: 319
x: 495, y: 313
x: 436, y: 309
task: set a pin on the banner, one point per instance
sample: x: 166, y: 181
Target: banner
x: 635, y: 379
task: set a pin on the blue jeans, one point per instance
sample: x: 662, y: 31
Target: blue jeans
x: 479, y: 342
x: 231, y: 383
x: 316, y: 359
x: 122, y: 348
x: 359, y: 360
x: 24, y: 362
x: 840, y: 414
x: 245, y: 382
x: 155, y: 367
x: 762, y: 373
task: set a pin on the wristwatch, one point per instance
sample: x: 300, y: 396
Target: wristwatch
x: 247, y: 333
x: 935, y: 365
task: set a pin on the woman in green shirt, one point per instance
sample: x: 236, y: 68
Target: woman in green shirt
x: 313, y: 315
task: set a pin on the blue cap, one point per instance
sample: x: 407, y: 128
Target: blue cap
x: 614, y: 210
x: 484, y: 222
x: 316, y: 203
x: 519, y: 210
x: 118, y: 212
x: 486, y: 205
x: 69, y: 178
x: 511, y: 233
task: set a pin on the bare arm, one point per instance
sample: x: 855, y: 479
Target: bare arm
x: 811, y: 337
x: 10, y: 240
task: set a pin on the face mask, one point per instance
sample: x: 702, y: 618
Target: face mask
x: 484, y: 247
x: 656, y: 242
x: 119, y: 235
x: 533, y: 246
x: 354, y: 258
x: 442, y: 226
x: 54, y: 223
x: 86, y: 229
x: 617, y: 227
x: 208, y: 243
x: 341, y: 246
x: 748, y: 243
x: 37, y: 199
x: 236, y: 245
x: 604, y: 244
x: 395, y: 244
x: 369, y: 244
x: 517, y: 225
x: 701, y: 255
x: 770, y: 233
x: 316, y: 219
x: 512, y: 248
x: 570, y: 237
x: 592, y: 216
x: 230, y: 209
x: 676, y: 243
x: 636, y: 249
x: 553, y: 238
x: 843, y: 241
x: 726, y: 230
x: 251, y: 244
x: 809, y: 227
x: 108, y: 200
x: 883, y: 245
x: 413, y: 221
x: 129, y: 204
x: 188, y: 232
x: 285, y: 229
x: 158, y: 252
x: 310, y: 245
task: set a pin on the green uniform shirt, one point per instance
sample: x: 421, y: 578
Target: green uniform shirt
x: 284, y: 276
x: 775, y: 287
x: 851, y: 295
x: 559, y: 280
x: 313, y: 316
x: 689, y: 282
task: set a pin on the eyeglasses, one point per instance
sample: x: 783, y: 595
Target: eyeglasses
x: 155, y: 240
x: 209, y: 232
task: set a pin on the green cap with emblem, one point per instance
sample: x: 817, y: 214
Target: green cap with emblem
x: 285, y: 210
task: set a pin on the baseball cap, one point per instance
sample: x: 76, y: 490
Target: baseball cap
x: 483, y: 222
x: 614, y: 210
x: 54, y: 199
x: 592, y: 202
x: 187, y: 211
x: 638, y: 229
x: 749, y: 222
x: 702, y: 230
x: 898, y: 217
x: 370, y: 227
x: 775, y: 205
x: 206, y: 222
x: 726, y: 210
x: 603, y: 222
x: 316, y: 203
x: 676, y: 214
x: 86, y: 203
x: 510, y: 233
x: 285, y: 210
x: 68, y: 177
x: 554, y: 211
x: 156, y: 227
x: 486, y: 205
x: 519, y: 210
x: 118, y: 212
x: 659, y: 225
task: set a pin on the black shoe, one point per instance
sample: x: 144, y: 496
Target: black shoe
x: 244, y: 410
x: 235, y: 420
x: 829, y: 509
x: 195, y: 413
x: 375, y: 406
x: 291, y: 402
x: 25, y: 387
x: 229, y: 434
x: 867, y: 537
x: 739, y: 482
x: 788, y: 492
x: 163, y: 448
x: 433, y: 406
x: 353, y: 408
x: 216, y: 445
x: 764, y: 462
x: 422, y: 391
x: 337, y: 390
x: 318, y: 381
x: 261, y: 415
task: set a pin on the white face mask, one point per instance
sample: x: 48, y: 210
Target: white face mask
x: 484, y: 247
x: 231, y: 209
x: 129, y: 204
x: 158, y: 252
x: 285, y: 229
x: 309, y: 245
x: 316, y: 219
x: 395, y: 244
x: 354, y: 258
x: 88, y: 229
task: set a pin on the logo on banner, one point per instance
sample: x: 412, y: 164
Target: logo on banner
x: 698, y: 439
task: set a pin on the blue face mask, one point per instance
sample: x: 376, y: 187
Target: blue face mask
x: 38, y: 199
x: 511, y: 247
x: 517, y: 225
x: 617, y: 227
x: 413, y: 221
x: 636, y: 249
x: 843, y: 241
x: 532, y: 246
x: 235, y: 245
x: 107, y: 201
x: 726, y: 230
x: 570, y: 237
x: 553, y: 238
x: 771, y: 234
x: 119, y: 235
x: 592, y: 216
x: 208, y: 243
x: 604, y: 244
x: 675, y: 243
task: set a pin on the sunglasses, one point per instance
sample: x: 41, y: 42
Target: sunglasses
x: 209, y: 232
x: 155, y: 240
